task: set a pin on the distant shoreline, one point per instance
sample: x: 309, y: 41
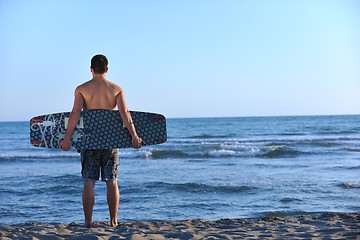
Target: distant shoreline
x: 275, y: 116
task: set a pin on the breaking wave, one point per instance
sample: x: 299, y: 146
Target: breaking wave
x: 209, y: 147
x: 198, y: 187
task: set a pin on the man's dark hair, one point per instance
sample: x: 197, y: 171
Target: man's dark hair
x: 99, y: 63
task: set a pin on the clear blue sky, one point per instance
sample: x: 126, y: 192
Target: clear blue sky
x: 184, y: 58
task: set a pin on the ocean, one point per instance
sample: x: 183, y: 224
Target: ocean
x: 210, y: 168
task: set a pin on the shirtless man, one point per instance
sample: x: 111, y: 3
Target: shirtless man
x: 99, y: 93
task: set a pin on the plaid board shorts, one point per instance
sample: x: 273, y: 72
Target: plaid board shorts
x: 104, y: 161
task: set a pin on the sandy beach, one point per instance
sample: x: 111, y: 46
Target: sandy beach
x: 324, y: 226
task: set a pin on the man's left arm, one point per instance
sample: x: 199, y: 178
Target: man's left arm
x: 65, y: 144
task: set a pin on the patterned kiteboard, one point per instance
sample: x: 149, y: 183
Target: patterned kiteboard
x: 97, y: 129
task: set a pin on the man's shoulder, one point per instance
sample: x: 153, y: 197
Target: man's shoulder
x: 85, y: 84
x: 112, y: 83
x: 91, y: 84
x: 115, y: 86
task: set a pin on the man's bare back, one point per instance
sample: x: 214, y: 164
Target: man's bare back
x: 99, y: 93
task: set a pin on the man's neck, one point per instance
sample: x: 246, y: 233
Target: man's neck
x: 99, y: 76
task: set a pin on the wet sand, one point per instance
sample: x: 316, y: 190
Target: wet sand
x: 323, y: 226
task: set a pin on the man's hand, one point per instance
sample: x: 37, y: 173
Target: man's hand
x: 65, y: 144
x: 136, y: 142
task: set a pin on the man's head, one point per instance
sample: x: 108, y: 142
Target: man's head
x: 99, y: 64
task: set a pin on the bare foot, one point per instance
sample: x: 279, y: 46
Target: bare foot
x: 88, y: 225
x: 113, y: 224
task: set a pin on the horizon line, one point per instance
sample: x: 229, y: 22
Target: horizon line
x: 259, y: 116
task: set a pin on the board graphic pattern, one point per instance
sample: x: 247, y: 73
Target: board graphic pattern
x: 97, y: 129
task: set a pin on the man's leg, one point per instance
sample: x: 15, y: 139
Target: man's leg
x: 88, y: 199
x: 113, y: 197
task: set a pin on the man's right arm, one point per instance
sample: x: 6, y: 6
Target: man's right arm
x: 73, y: 120
x: 127, y: 120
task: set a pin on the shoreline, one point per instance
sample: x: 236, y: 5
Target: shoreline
x: 324, y: 226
